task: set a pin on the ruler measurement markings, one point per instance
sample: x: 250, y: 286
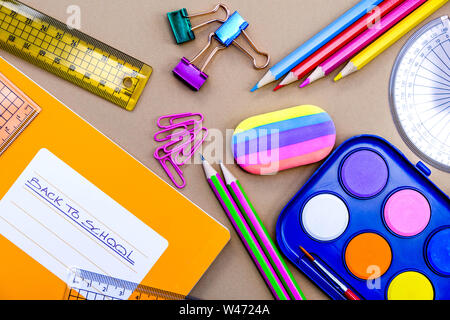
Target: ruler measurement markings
x: 434, y: 107
x: 431, y: 101
x: 5, y: 24
x: 440, y: 59
x: 14, y: 22
x: 433, y: 87
x: 96, y: 67
x: 448, y: 58
x: 107, y: 287
x: 433, y: 80
x: 1, y: 103
x: 437, y: 75
x: 437, y: 67
x: 13, y: 113
x: 11, y: 105
x: 16, y: 113
x: 116, y: 75
x: 430, y: 128
x: 424, y: 56
x: 444, y: 109
x: 433, y: 50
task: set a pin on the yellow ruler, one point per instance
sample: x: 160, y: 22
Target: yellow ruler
x: 71, y: 54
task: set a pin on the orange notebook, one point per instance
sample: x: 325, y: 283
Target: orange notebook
x: 70, y: 197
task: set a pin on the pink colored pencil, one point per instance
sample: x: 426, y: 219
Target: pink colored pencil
x: 363, y: 40
x: 262, y: 235
x: 245, y: 233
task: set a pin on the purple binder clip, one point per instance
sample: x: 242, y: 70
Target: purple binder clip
x: 190, y: 74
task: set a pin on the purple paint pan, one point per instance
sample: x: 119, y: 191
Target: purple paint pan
x: 364, y: 174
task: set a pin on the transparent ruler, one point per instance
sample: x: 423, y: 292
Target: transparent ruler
x: 420, y: 93
x: 16, y: 112
x: 86, y: 285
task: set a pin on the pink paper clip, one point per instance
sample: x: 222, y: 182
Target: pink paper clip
x: 187, y: 126
x: 182, y: 140
x: 192, y: 150
x: 160, y: 154
x: 182, y: 182
x: 174, y: 117
x: 169, y: 134
x: 196, y: 127
x: 174, y: 146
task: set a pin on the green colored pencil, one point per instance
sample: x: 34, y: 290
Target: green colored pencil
x: 244, y: 232
x: 263, y: 237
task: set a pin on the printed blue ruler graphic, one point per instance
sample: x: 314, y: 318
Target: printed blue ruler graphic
x: 420, y: 93
x: 86, y: 285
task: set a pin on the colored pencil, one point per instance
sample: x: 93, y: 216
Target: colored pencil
x: 240, y: 225
x: 349, y: 294
x: 363, y: 40
x: 390, y: 37
x: 263, y: 237
x: 315, y: 43
x: 341, y: 40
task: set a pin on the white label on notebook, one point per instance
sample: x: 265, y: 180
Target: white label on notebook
x: 63, y: 221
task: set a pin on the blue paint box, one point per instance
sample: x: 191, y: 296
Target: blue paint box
x: 374, y: 221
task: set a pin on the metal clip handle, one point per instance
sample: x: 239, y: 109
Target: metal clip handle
x: 252, y: 44
x: 216, y: 8
x: 212, y: 54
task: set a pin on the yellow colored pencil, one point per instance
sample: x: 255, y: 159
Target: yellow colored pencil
x: 390, y: 37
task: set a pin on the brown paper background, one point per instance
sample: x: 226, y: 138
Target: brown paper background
x: 358, y: 104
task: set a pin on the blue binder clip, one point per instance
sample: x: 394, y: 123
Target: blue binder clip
x: 226, y: 35
x: 231, y: 29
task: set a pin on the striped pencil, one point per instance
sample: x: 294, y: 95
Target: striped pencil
x: 363, y: 40
x: 263, y: 237
x: 316, y: 42
x: 337, y: 43
x: 390, y: 37
x: 242, y: 228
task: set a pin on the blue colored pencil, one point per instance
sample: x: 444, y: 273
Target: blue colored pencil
x: 315, y: 43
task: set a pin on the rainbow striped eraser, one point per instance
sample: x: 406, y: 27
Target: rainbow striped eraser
x: 268, y: 143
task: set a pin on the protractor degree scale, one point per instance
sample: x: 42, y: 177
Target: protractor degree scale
x: 420, y: 93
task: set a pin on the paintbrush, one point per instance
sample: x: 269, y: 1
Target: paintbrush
x: 349, y: 294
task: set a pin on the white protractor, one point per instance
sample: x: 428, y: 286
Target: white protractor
x: 420, y: 93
